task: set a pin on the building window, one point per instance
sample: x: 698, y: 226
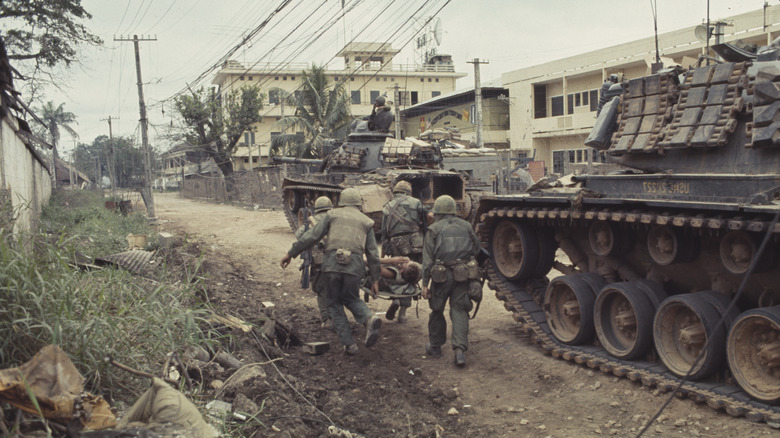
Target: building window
x: 569, y: 104
x: 246, y: 138
x: 273, y: 97
x: 356, y: 97
x: 429, y: 79
x: 594, y: 100
x: 414, y: 98
x: 558, y: 160
x: 584, y: 98
x: 437, y: 79
x: 392, y: 79
x: 374, y: 95
x: 540, y: 101
x: 276, y: 78
x: 403, y: 98
x: 422, y: 79
x: 298, y: 96
x: 385, y: 79
x: 577, y: 100
x: 435, y: 93
x: 377, y: 79
x: 251, y: 78
x: 556, y: 105
x: 292, y: 78
x: 284, y: 78
x: 336, y: 78
x: 352, y: 79
x: 241, y: 78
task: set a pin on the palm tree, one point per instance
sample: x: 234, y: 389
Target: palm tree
x: 320, y: 111
x: 56, y: 118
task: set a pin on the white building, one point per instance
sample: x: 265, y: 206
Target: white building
x: 554, y: 104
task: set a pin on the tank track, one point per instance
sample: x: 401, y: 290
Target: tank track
x: 292, y: 219
x: 519, y: 298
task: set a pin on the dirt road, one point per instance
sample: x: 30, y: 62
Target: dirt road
x: 509, y: 388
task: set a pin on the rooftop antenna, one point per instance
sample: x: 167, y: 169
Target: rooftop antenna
x: 657, y: 65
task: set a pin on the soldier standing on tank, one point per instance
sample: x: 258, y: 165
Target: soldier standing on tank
x: 450, y: 244
x: 350, y: 235
x: 321, y: 207
x: 403, y: 223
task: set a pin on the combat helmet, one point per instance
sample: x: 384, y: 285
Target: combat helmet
x: 444, y: 204
x: 350, y: 196
x: 322, y: 203
x: 403, y: 187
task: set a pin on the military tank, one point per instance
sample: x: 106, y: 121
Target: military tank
x: 372, y: 161
x: 667, y: 271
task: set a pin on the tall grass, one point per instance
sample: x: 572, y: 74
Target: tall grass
x: 92, y: 313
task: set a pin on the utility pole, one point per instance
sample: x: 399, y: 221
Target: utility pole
x: 110, y: 158
x: 478, y: 98
x: 396, y: 99
x: 147, y: 190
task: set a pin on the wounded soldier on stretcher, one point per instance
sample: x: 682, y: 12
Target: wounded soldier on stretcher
x: 398, y: 276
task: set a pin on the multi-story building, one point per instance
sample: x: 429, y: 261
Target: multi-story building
x: 554, y: 104
x: 368, y: 73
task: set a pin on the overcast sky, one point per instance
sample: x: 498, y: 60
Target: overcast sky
x: 193, y: 35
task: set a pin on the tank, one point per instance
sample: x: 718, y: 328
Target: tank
x: 666, y: 272
x: 372, y: 161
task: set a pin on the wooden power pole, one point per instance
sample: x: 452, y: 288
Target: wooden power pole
x: 147, y: 190
x: 110, y: 157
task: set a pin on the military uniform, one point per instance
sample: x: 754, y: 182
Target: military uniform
x: 401, y: 232
x: 350, y: 234
x: 316, y: 278
x: 448, y: 241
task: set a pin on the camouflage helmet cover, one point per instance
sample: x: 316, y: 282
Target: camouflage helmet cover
x: 322, y: 203
x: 403, y: 187
x: 444, y: 204
x: 350, y: 196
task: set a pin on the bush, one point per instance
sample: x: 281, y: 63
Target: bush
x: 92, y: 313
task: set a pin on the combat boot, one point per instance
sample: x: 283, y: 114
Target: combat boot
x: 390, y: 314
x: 460, y: 358
x: 328, y: 325
x: 372, y: 330
x: 402, y: 315
x: 432, y: 351
x: 351, y: 349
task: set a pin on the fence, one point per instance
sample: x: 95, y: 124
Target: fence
x: 261, y: 187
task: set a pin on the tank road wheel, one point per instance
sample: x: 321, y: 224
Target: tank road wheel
x: 737, y: 250
x: 683, y: 325
x: 515, y: 249
x: 753, y: 351
x: 568, y: 305
x: 668, y: 245
x: 293, y: 200
x: 623, y: 317
x: 606, y: 239
x: 547, y: 248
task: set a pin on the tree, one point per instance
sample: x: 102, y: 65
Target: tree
x: 216, y: 127
x: 56, y: 118
x: 320, y: 111
x: 46, y: 32
x: 92, y: 159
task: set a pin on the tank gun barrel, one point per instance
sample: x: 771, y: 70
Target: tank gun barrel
x: 296, y: 160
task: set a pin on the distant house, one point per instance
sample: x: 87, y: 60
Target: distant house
x: 69, y: 176
x: 180, y: 162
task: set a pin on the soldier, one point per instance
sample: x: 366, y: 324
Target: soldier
x: 350, y: 235
x: 402, y: 226
x: 450, y: 244
x: 321, y: 207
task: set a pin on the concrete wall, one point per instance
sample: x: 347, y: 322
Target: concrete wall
x: 261, y: 187
x: 24, y: 177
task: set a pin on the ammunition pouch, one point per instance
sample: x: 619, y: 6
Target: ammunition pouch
x: 416, y: 241
x: 438, y: 273
x: 343, y: 256
x: 317, y: 256
x: 474, y: 271
x: 460, y: 271
x: 475, y: 290
x: 400, y: 246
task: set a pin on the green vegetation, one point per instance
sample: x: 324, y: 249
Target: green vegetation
x: 92, y: 313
